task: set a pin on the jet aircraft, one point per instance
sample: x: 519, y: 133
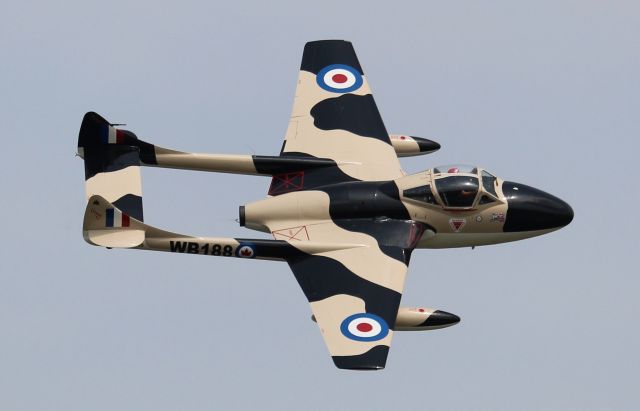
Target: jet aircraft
x: 340, y: 210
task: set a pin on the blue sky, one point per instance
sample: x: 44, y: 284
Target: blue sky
x: 544, y: 93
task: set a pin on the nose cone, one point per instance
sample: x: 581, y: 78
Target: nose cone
x: 440, y: 319
x: 426, y: 145
x: 530, y: 209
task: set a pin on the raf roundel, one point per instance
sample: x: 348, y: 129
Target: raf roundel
x: 364, y: 327
x: 339, y: 78
x: 246, y: 250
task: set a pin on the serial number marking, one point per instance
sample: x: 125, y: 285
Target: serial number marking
x: 190, y: 247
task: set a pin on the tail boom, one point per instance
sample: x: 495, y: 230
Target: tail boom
x: 98, y: 136
x: 107, y: 226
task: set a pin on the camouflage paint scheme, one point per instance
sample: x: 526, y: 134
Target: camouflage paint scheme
x: 341, y: 211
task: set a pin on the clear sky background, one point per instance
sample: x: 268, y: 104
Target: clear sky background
x: 544, y: 93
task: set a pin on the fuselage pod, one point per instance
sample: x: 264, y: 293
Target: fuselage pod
x: 422, y: 319
x: 454, y: 206
x: 408, y: 146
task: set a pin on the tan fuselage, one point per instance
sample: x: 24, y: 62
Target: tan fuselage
x: 297, y: 215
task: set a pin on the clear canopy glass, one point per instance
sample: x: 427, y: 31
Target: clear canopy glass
x: 457, y: 186
x: 458, y: 191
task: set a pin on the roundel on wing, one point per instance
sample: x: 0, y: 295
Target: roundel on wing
x: 364, y: 327
x: 339, y: 78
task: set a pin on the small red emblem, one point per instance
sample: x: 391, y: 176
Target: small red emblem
x: 364, y: 327
x: 299, y: 233
x: 457, y: 224
x: 246, y: 251
x: 285, y: 183
x: 339, y: 78
x: 96, y: 214
x: 497, y: 217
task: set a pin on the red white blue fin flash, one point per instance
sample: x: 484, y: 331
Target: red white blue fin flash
x: 116, y: 218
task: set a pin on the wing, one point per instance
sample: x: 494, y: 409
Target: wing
x: 335, y: 117
x: 355, y: 293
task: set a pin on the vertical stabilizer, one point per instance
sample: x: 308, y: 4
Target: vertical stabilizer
x: 111, y: 166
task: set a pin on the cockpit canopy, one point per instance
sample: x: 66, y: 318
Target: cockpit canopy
x: 455, y: 169
x: 457, y: 190
x: 456, y: 186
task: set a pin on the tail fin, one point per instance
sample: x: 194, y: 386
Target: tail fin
x: 111, y: 164
x: 107, y: 226
x: 96, y: 131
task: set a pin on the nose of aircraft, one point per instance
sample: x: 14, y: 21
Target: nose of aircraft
x: 531, y: 209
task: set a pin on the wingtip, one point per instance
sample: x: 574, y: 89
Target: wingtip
x: 372, y: 360
x: 319, y: 54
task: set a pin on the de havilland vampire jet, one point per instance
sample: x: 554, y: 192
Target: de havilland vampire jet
x: 341, y: 211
